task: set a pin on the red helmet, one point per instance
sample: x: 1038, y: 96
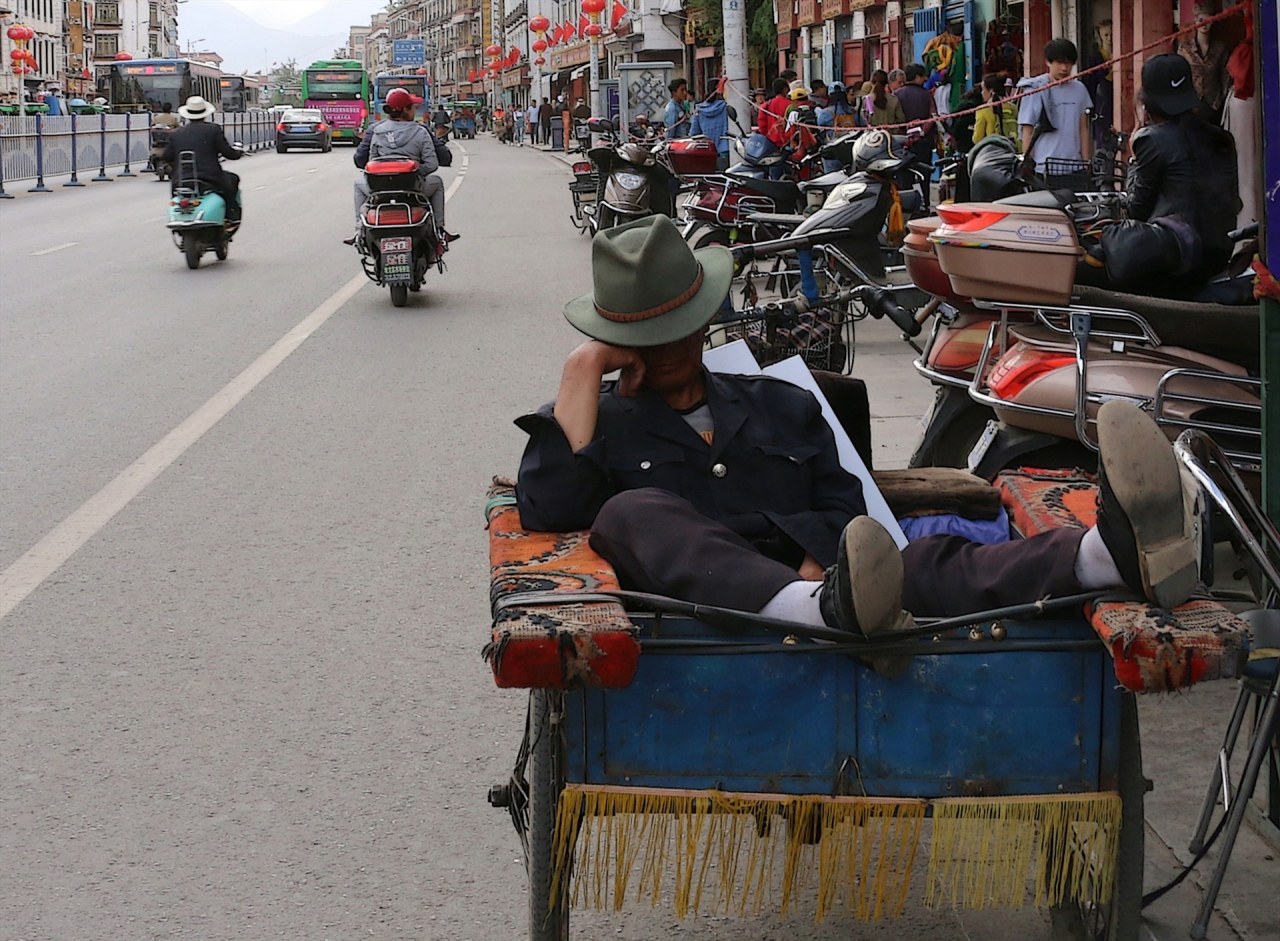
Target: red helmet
x: 399, y: 100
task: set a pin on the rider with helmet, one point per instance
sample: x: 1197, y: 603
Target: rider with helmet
x: 401, y: 136
x: 206, y: 141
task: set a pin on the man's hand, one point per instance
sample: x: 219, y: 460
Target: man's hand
x: 578, y: 401
x: 810, y: 570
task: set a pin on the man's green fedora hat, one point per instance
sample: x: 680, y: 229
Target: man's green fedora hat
x: 650, y: 287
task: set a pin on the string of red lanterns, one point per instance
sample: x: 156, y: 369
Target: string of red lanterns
x: 24, y: 60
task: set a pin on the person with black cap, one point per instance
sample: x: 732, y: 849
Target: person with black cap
x: 1182, y: 184
x: 728, y: 490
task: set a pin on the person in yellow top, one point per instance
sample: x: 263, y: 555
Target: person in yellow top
x: 1001, y: 117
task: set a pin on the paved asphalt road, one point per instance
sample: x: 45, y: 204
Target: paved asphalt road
x: 252, y: 704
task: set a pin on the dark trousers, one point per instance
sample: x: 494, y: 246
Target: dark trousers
x: 658, y: 543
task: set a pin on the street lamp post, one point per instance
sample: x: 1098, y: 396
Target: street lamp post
x: 593, y: 9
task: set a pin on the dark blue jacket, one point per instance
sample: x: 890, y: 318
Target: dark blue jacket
x: 782, y: 480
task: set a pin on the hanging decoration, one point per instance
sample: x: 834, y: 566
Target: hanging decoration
x: 618, y: 12
x: 24, y: 60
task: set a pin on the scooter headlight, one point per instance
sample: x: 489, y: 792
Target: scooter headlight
x: 845, y: 193
x: 630, y: 180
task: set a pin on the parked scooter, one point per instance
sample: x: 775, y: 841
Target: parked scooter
x: 633, y: 180
x: 397, y: 238
x: 198, y: 216
x: 1051, y: 352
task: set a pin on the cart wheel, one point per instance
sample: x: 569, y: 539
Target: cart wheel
x: 547, y: 922
x: 1121, y: 919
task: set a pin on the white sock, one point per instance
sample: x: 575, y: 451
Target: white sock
x: 1094, y: 566
x: 797, y: 602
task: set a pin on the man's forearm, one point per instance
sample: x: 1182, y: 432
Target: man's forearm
x: 1026, y: 137
x: 578, y: 401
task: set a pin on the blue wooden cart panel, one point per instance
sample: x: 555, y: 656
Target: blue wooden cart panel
x: 812, y: 723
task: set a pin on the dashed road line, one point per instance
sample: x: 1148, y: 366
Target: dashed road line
x: 56, y: 248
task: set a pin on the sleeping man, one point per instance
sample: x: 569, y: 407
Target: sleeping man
x: 727, y: 490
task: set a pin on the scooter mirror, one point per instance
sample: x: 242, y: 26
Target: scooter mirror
x: 733, y: 112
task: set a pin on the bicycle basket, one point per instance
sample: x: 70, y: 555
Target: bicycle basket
x: 1067, y: 173
x: 815, y: 339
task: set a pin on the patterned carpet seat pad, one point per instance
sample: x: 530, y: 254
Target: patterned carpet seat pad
x: 1154, y: 650
x: 544, y: 644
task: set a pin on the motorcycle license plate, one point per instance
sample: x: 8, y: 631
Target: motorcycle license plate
x: 397, y: 260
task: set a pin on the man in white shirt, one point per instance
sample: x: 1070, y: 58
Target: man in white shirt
x: 1066, y: 106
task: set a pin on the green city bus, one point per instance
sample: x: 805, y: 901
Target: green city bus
x: 339, y: 89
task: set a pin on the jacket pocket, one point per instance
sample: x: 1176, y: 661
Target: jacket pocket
x: 795, y: 453
x: 645, y: 467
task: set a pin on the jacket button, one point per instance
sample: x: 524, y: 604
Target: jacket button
x: 719, y: 470
x: 645, y: 465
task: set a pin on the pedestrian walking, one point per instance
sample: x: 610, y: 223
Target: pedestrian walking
x: 518, y: 116
x: 532, y: 120
x: 544, y: 122
x: 1056, y: 120
x: 917, y: 105
x: 883, y: 107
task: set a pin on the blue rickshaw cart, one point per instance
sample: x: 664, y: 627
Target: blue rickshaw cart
x: 720, y: 761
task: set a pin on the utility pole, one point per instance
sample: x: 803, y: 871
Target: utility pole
x: 737, y: 89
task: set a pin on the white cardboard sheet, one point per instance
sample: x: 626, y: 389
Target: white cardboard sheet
x: 736, y: 358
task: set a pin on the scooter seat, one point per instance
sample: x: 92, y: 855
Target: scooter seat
x: 782, y: 191
x: 774, y: 218
x: 1040, y: 199
x: 1221, y: 330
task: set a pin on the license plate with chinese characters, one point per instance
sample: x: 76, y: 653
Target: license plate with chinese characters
x: 397, y: 260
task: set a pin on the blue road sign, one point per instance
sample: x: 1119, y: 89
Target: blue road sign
x: 408, y: 52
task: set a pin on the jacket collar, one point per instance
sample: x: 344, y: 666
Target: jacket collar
x: 661, y: 420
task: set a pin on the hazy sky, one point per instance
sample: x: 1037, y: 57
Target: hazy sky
x: 282, y: 13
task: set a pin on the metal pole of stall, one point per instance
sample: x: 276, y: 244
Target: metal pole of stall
x: 128, y: 120
x: 102, y: 150
x: 75, y: 156
x: 39, y: 187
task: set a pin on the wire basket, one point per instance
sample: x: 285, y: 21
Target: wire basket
x: 817, y: 338
x: 1067, y: 173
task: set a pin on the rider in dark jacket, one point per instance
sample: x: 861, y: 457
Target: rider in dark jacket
x: 1183, y: 178
x: 207, y: 142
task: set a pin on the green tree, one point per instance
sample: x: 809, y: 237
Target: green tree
x: 762, y: 34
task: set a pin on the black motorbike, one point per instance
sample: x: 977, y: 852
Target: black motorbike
x: 397, y: 239
x: 163, y: 169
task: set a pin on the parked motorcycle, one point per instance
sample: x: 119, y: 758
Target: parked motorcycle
x: 1036, y: 355
x: 198, y: 216
x: 397, y: 238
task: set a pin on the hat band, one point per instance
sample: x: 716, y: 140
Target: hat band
x: 658, y: 311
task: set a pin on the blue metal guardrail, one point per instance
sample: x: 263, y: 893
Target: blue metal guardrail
x: 34, y: 146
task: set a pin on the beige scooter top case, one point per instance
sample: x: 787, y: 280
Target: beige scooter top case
x: 999, y: 252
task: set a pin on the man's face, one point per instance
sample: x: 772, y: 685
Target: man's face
x: 673, y: 366
x: 681, y: 93
x: 1060, y: 69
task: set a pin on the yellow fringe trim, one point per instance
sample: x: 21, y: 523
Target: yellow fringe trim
x: 983, y: 847
x: 747, y: 853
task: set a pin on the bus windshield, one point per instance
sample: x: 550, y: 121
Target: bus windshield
x: 415, y: 85
x: 335, y: 84
x: 152, y: 86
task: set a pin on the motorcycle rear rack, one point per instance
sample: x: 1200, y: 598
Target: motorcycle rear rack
x: 1081, y: 331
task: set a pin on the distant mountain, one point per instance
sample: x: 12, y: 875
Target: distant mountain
x: 244, y: 44
x: 337, y: 16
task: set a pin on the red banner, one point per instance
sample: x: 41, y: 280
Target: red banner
x: 618, y: 12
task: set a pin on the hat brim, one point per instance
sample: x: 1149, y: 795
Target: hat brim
x: 684, y: 321
x: 195, y: 115
x: 1175, y: 102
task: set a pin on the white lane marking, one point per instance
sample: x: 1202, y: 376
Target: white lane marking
x: 257, y: 188
x: 462, y: 172
x: 313, y: 169
x: 288, y: 178
x: 62, y: 542
x: 56, y: 248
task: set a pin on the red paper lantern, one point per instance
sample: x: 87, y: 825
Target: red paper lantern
x: 17, y: 55
x: 539, y: 61
x: 123, y: 56
x: 493, y: 51
x: 539, y: 46
x: 471, y: 75
x: 539, y: 25
x: 593, y: 7
x: 17, y: 33
x: 592, y: 30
